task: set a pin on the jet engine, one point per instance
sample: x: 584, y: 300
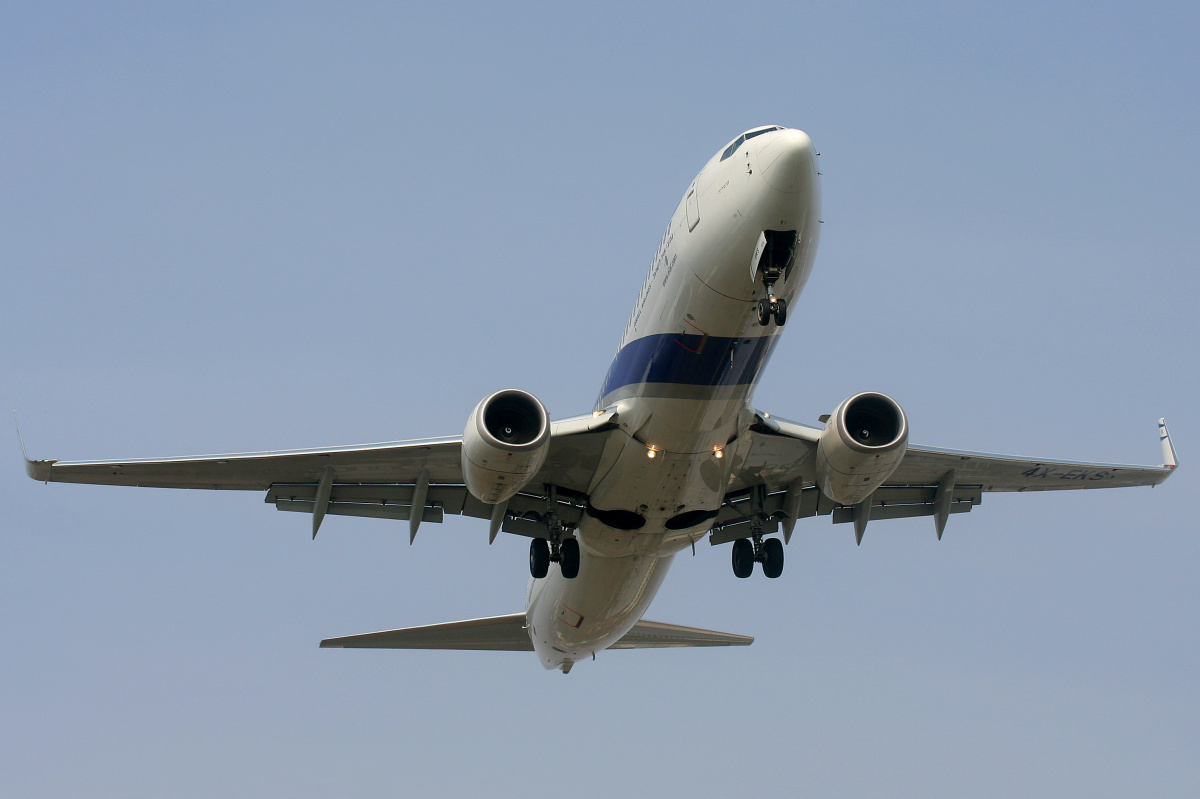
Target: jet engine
x: 504, y: 445
x: 863, y: 442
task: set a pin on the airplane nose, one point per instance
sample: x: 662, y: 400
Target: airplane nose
x: 788, y: 161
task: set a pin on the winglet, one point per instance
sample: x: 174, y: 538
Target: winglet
x: 34, y: 469
x: 1168, y: 451
x: 20, y: 438
x: 38, y: 470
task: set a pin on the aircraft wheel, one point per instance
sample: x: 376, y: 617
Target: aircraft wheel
x: 772, y: 557
x: 743, y: 558
x: 539, y: 558
x: 780, y: 311
x: 569, y: 557
x: 764, y: 312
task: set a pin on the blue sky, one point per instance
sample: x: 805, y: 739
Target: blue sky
x: 231, y: 229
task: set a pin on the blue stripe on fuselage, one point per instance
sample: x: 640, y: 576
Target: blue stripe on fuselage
x: 689, y: 359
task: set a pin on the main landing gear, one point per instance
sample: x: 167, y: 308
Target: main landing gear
x: 561, y: 548
x: 756, y: 549
x: 768, y: 552
x: 542, y: 552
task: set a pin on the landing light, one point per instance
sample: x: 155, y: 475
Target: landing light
x: 718, y: 452
x: 650, y: 453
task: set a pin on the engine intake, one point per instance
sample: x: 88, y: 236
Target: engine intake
x: 863, y: 442
x: 504, y: 445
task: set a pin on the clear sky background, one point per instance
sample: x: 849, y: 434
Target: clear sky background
x: 227, y: 229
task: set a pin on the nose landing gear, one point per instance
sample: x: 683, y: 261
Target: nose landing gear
x: 771, y: 262
x: 772, y: 306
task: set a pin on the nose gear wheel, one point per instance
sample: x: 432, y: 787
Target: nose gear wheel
x: 772, y: 308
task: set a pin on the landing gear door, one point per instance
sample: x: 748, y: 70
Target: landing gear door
x: 693, y: 208
x: 756, y: 259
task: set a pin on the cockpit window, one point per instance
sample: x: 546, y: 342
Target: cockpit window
x: 731, y: 149
x: 752, y: 134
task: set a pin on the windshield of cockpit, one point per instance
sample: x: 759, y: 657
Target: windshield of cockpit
x: 731, y: 149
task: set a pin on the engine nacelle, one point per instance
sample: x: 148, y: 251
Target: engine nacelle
x: 504, y: 445
x: 863, y: 442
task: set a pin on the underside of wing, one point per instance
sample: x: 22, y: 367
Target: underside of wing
x: 389, y: 480
x: 575, y: 446
x: 927, y: 465
x: 781, y: 452
x: 394, y: 462
x: 774, y: 482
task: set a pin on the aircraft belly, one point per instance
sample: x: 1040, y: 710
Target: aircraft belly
x: 687, y: 473
x: 571, y: 620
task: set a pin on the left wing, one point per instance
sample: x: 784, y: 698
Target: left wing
x: 777, y: 473
x: 380, y: 480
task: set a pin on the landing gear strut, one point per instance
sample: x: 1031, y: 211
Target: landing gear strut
x: 561, y: 548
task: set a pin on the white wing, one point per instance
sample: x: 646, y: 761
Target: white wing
x: 378, y: 480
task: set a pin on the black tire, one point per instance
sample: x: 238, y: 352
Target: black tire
x: 539, y: 558
x: 569, y: 558
x: 743, y: 558
x: 764, y: 312
x: 780, y: 311
x: 772, y: 557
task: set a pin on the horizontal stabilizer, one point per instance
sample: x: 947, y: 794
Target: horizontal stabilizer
x: 499, y: 633
x: 507, y: 633
x: 655, y: 634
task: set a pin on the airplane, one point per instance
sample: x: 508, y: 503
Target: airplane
x: 672, y: 452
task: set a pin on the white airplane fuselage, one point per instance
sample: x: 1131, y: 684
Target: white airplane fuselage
x: 681, y: 417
